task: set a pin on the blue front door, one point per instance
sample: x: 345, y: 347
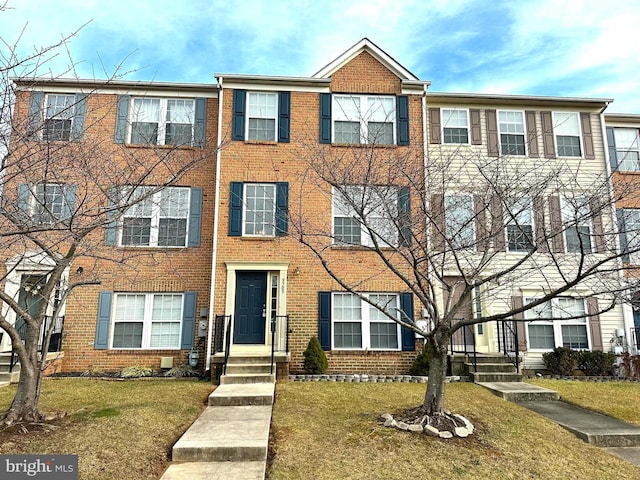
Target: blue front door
x: 250, y: 310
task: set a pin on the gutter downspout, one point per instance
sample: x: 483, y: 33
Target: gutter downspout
x: 214, y: 256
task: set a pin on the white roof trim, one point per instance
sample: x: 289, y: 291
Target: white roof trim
x: 365, y: 45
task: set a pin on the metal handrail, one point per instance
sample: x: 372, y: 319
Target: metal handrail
x: 508, y: 341
x: 468, y: 340
x: 276, y: 328
x: 227, y: 342
x: 55, y: 342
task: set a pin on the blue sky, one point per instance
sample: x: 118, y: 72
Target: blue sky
x: 578, y: 48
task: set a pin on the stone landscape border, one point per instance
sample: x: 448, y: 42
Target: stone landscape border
x: 366, y: 378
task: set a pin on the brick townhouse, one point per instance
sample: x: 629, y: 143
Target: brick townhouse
x: 214, y: 263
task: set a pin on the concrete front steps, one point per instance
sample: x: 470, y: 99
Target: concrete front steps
x: 5, y: 375
x: 230, y: 438
x: 492, y: 368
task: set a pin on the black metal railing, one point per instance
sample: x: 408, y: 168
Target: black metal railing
x: 508, y: 341
x: 463, y: 341
x: 279, y: 336
x: 55, y: 341
x: 222, y: 338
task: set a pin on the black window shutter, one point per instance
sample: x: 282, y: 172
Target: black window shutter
x: 282, y: 208
x: 122, y: 119
x: 404, y: 212
x: 188, y: 320
x: 77, y: 127
x: 111, y: 228
x: 325, y: 118
x: 402, y: 119
x: 324, y: 320
x: 239, y: 103
x: 200, y: 126
x: 284, y: 116
x: 613, y: 155
x: 235, y: 209
x: 622, y: 228
x: 195, y: 217
x: 35, y: 115
x: 408, y: 337
x: 104, y: 319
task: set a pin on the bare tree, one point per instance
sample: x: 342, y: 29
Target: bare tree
x: 465, y: 233
x: 66, y: 185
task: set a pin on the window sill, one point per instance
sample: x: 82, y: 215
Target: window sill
x: 161, y: 147
x: 365, y: 352
x: 153, y: 249
x: 260, y: 142
x: 258, y: 238
x: 142, y: 351
x: 364, y: 145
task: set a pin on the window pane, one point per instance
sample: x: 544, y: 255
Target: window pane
x: 262, y: 129
x: 57, y: 129
x: 347, y: 231
x: 381, y: 109
x: 384, y: 335
x: 389, y: 303
x: 512, y: 144
x: 459, y: 217
x: 145, y: 116
x: 346, y: 307
x: 566, y: 124
x: 136, y: 231
x: 541, y: 336
x: 578, y: 239
x: 574, y: 336
x: 454, y: 118
x: 49, y: 203
x: 456, y: 135
x: 165, y: 335
x: 520, y: 238
x: 172, y: 232
x: 347, y: 108
x: 347, y: 335
x: 260, y: 210
x: 568, y: 146
x: 380, y: 133
x: 144, y: 133
x: 127, y: 335
x: 347, y: 132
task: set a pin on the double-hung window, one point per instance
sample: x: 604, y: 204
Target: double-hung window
x: 566, y: 128
x: 511, y: 130
x: 455, y: 126
x: 562, y: 323
x: 364, y: 213
x: 358, y: 325
x: 519, y: 221
x: 158, y: 219
x: 47, y: 203
x: 630, y: 231
x: 161, y: 121
x: 58, y: 116
x: 259, y: 210
x: 459, y: 220
x: 147, y: 320
x: 627, y: 149
x: 364, y: 119
x: 262, y: 116
x: 576, y: 214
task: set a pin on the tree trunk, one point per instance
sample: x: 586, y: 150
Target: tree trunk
x: 25, y: 404
x: 434, y: 398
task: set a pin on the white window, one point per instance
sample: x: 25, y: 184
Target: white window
x: 161, y: 121
x: 58, y: 116
x: 156, y: 220
x: 627, y: 149
x: 455, y: 126
x: 519, y: 221
x: 555, y: 328
x: 147, y: 320
x: 51, y: 202
x: 364, y: 119
x: 566, y: 129
x: 358, y: 209
x: 511, y: 130
x: 632, y: 234
x: 262, y: 116
x: 459, y: 220
x: 576, y: 214
x: 259, y: 210
x: 358, y: 325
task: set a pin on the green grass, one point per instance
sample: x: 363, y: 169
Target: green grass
x: 616, y: 399
x: 332, y: 431
x: 119, y: 430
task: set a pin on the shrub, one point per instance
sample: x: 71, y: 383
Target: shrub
x: 421, y: 363
x: 596, y: 362
x: 184, y: 370
x: 315, y: 360
x: 136, y: 372
x: 561, y: 361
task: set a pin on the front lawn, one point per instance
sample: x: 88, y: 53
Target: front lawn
x: 119, y: 429
x: 332, y: 431
x: 616, y: 399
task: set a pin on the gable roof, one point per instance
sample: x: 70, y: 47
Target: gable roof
x: 365, y: 45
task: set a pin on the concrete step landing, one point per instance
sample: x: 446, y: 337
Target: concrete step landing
x: 491, y: 377
x: 238, y: 378
x: 226, y: 434
x: 215, y: 471
x: 520, y: 391
x: 241, y: 394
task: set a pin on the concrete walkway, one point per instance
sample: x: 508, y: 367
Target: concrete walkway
x: 230, y: 439
x: 618, y: 437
